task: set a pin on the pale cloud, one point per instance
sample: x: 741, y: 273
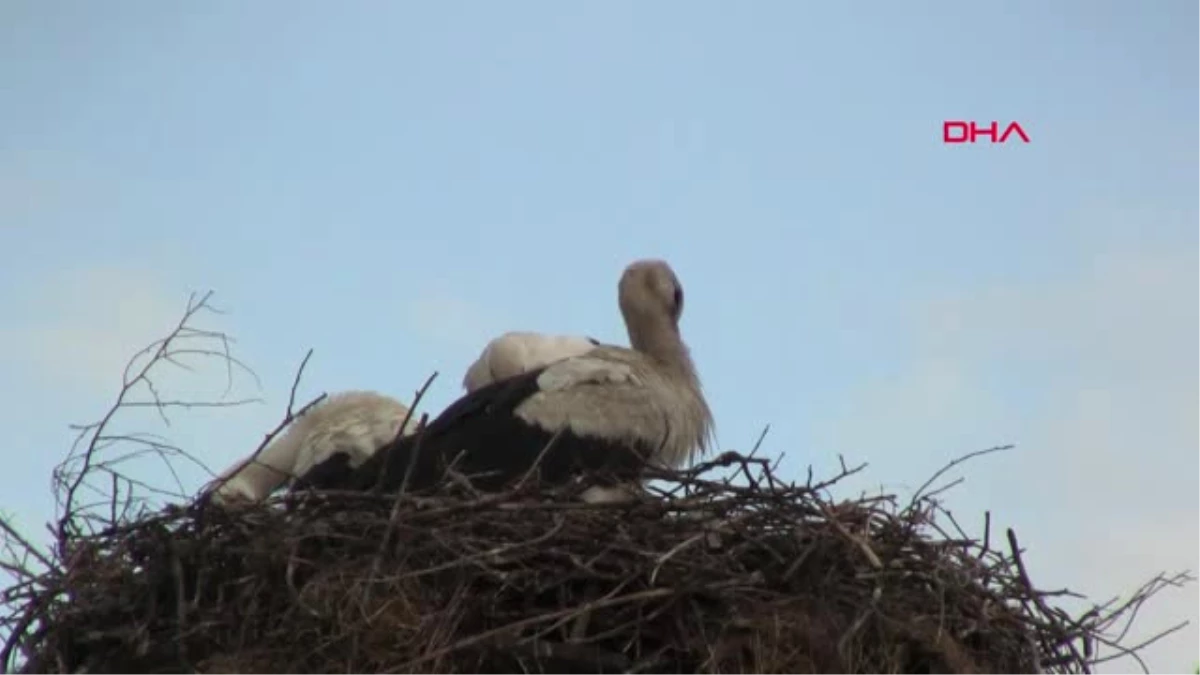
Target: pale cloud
x: 71, y: 338
x: 23, y: 198
x: 932, y: 392
x: 37, y: 187
x: 1130, y: 314
x: 1094, y: 376
x: 1126, y: 506
x: 64, y: 347
x: 82, y: 326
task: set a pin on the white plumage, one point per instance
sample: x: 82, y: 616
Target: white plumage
x: 518, y: 352
x: 356, y: 423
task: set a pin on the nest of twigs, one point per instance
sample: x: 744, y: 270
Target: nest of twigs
x: 706, y: 574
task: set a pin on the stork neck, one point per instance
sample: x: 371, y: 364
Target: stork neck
x: 659, y: 339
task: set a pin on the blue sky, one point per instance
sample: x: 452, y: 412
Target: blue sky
x: 392, y: 184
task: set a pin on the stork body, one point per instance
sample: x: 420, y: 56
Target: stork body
x: 518, y: 352
x: 607, y: 413
x: 351, y: 424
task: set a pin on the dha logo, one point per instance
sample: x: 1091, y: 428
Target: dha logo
x: 956, y: 131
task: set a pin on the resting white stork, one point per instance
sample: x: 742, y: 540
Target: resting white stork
x: 610, y: 412
x: 519, y: 352
x: 352, y: 423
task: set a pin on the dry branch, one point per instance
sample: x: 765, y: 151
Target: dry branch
x: 89, y: 454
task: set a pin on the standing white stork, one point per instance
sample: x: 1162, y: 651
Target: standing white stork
x: 354, y: 424
x: 609, y: 411
x: 518, y: 352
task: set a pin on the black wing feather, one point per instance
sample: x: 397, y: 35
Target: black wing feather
x: 483, y: 439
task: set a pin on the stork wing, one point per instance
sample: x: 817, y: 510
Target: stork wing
x: 602, y: 394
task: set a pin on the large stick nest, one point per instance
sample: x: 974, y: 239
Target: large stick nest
x: 708, y: 574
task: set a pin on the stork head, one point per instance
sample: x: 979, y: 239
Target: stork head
x: 649, y: 290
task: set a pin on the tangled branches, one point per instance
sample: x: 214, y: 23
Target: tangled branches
x: 741, y: 574
x: 719, y: 568
x: 91, y: 485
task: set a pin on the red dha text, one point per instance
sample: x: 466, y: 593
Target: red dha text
x: 955, y: 131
